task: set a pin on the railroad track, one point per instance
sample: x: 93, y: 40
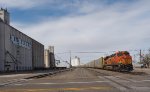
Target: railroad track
x: 111, y: 79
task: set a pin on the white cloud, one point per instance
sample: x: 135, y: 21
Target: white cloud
x: 21, y: 4
x: 106, y: 29
x: 56, y: 4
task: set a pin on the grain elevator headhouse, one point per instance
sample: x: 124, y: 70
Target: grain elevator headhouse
x: 4, y: 16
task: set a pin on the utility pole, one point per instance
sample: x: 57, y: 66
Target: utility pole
x: 70, y: 59
x: 140, y: 55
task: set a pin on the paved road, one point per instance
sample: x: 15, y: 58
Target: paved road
x: 84, y: 80
x: 7, y: 78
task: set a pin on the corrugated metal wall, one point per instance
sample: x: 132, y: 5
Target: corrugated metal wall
x: 38, y: 55
x: 18, y: 51
x: 1, y: 46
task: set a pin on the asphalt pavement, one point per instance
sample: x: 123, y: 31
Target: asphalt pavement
x: 83, y: 80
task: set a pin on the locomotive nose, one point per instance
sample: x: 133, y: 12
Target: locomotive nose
x: 128, y: 60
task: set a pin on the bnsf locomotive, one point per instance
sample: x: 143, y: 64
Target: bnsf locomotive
x: 119, y: 61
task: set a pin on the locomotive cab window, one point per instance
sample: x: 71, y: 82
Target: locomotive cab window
x: 113, y: 55
x: 119, y: 54
x: 126, y: 53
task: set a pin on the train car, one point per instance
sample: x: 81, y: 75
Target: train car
x: 120, y: 61
x: 92, y: 64
x: 99, y: 63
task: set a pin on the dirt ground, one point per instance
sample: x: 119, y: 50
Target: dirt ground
x: 145, y: 70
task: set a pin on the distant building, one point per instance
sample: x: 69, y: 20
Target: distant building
x: 49, y: 57
x: 46, y: 58
x: 4, y: 16
x: 75, y: 62
x: 17, y: 50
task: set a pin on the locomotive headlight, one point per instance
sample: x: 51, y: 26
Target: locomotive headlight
x: 120, y: 62
x: 129, y: 61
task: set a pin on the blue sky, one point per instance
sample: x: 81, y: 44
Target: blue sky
x: 83, y: 25
x: 55, y: 8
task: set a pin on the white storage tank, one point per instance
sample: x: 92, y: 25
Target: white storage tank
x: 75, y: 62
x: 49, y: 57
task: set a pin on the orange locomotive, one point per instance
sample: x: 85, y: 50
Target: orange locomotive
x: 120, y: 61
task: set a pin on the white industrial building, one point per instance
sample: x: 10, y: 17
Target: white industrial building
x: 17, y: 50
x: 75, y: 62
x: 49, y: 57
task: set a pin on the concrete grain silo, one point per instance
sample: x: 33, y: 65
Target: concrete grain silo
x: 18, y: 52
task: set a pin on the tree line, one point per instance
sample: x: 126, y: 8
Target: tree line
x: 145, y: 60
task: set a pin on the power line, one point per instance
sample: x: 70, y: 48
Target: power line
x: 88, y: 52
x: 59, y: 57
x: 104, y: 52
x: 133, y: 50
x: 62, y: 59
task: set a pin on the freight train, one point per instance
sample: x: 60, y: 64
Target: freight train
x: 119, y: 61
